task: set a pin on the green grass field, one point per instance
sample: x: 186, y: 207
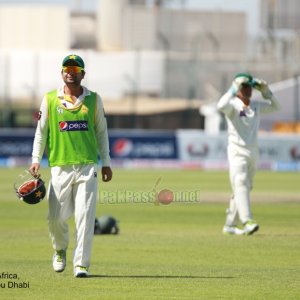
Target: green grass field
x: 171, y: 251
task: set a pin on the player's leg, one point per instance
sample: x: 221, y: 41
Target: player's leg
x: 252, y: 166
x: 60, y: 206
x: 244, y: 171
x: 85, y: 196
x: 231, y: 221
x: 251, y: 226
x: 238, y: 168
x: 60, y: 209
x: 231, y: 213
x: 242, y: 190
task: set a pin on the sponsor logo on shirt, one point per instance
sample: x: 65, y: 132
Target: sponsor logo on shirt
x: 73, y: 126
x: 59, y: 110
x: 242, y: 113
x: 84, y: 109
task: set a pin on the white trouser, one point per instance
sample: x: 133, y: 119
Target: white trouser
x: 73, y: 190
x: 242, y: 167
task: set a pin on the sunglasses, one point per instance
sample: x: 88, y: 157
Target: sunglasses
x: 72, y: 69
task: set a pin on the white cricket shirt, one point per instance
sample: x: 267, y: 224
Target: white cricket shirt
x: 243, y: 121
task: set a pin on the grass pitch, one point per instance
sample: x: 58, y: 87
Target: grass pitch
x: 171, y: 251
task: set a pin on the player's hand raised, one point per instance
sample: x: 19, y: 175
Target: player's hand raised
x: 263, y: 87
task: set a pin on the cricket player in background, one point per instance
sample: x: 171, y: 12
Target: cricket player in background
x: 73, y: 126
x: 243, y: 116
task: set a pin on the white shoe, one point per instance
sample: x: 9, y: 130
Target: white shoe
x: 250, y: 227
x: 232, y: 230
x: 59, y: 260
x: 80, y: 271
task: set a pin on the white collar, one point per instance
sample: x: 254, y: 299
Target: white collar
x: 61, y: 92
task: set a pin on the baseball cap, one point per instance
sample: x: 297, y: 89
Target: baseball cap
x: 74, y: 58
x: 248, y: 78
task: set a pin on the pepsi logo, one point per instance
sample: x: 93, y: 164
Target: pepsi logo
x: 73, y: 126
x: 122, y: 147
x: 63, y: 126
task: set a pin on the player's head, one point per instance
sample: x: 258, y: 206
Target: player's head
x: 247, y: 83
x: 73, y: 60
x: 73, y: 69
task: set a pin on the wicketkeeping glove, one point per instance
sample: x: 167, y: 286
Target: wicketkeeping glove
x: 263, y: 87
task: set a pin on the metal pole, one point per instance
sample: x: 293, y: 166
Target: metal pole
x: 137, y: 71
x: 8, y: 116
x: 296, y: 98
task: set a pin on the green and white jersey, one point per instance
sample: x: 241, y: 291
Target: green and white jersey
x: 71, y: 138
x: 74, y: 133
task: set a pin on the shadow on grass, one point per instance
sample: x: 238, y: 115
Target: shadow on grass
x: 161, y: 276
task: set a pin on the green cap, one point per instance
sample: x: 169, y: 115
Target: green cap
x: 246, y: 75
x: 74, y: 58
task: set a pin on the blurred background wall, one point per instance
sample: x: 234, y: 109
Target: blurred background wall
x: 176, y: 54
x: 37, y: 27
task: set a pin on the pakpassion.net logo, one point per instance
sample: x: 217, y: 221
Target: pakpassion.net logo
x: 155, y: 196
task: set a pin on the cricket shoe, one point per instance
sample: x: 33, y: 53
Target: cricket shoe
x: 250, y: 227
x: 59, y: 260
x: 80, y: 271
x: 232, y: 230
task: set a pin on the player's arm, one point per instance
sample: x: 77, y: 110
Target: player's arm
x: 40, y: 138
x: 224, y: 105
x: 102, y: 140
x: 270, y: 104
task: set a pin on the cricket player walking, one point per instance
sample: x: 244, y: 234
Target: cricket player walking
x: 73, y: 126
x: 243, y: 116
